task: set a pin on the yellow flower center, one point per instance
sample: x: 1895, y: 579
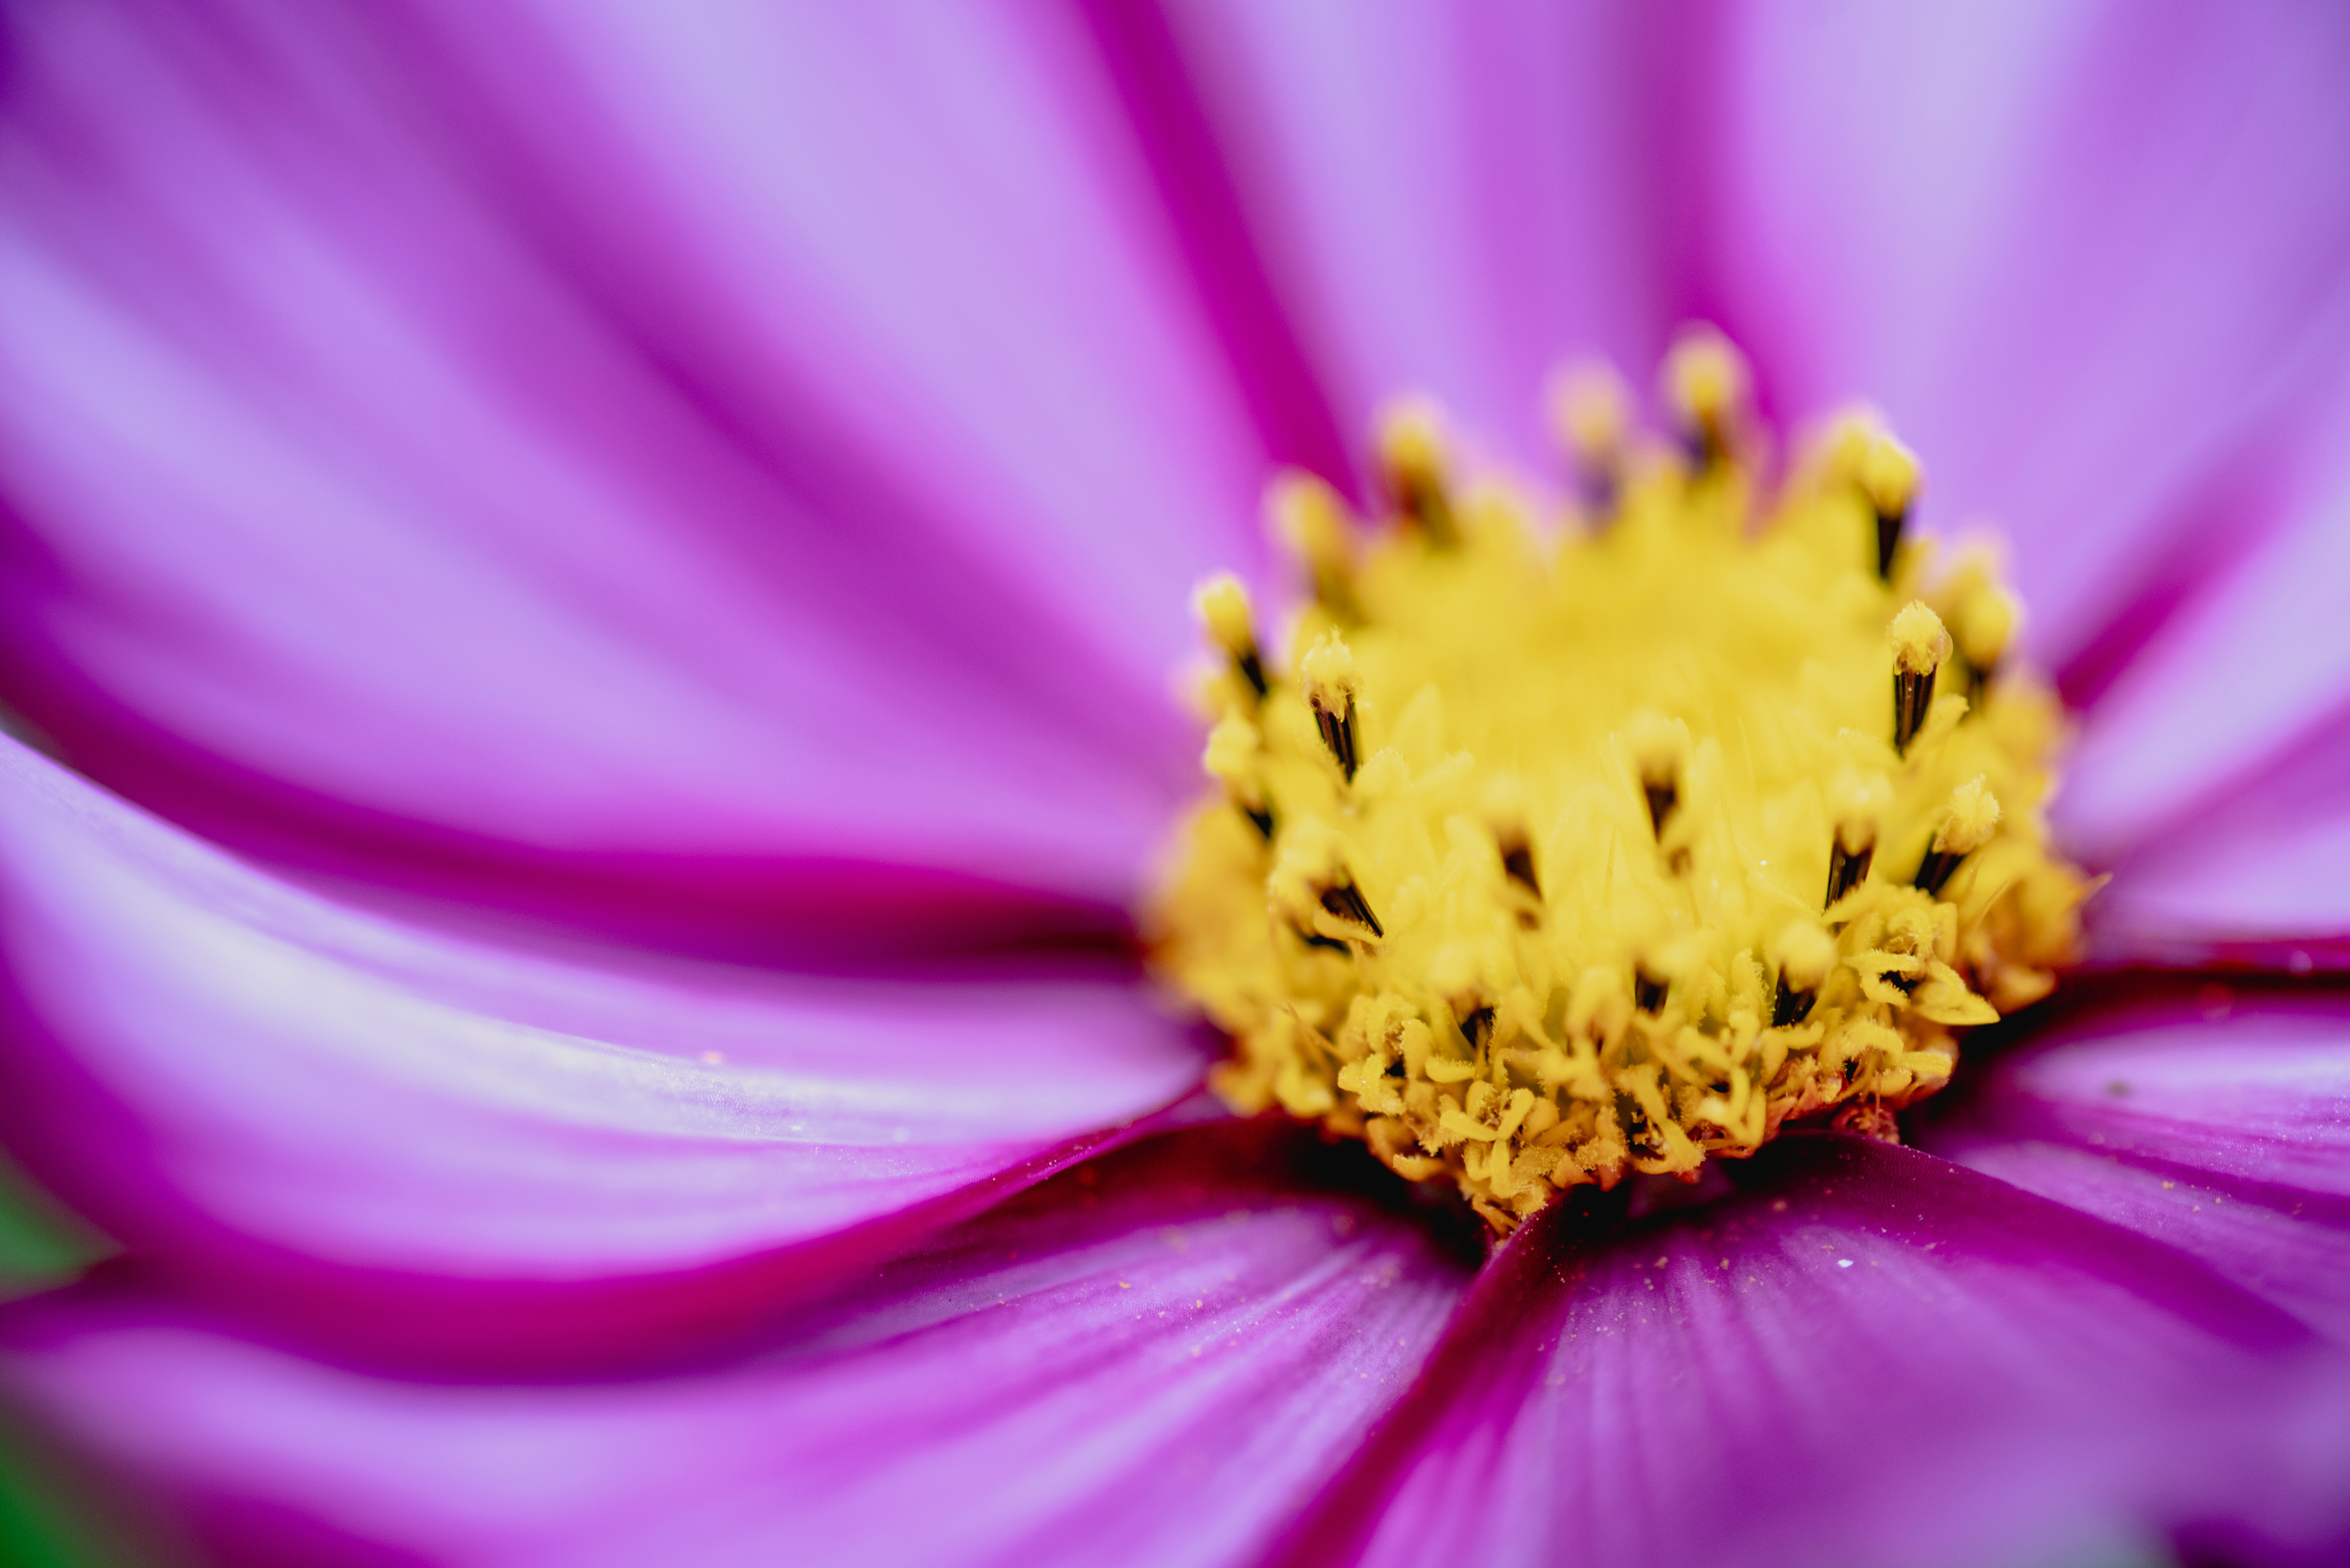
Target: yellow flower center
x: 1560, y: 846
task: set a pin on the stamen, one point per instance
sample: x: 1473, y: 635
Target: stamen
x: 1498, y: 867
x: 1412, y: 459
x: 1974, y: 817
x: 1505, y: 810
x: 1848, y: 865
x: 1659, y: 749
x: 1344, y: 900
x: 1649, y: 989
x: 1234, y: 749
x: 1330, y: 688
x: 1592, y: 410
x: 1888, y: 478
x: 1857, y: 801
x: 1518, y: 864
x: 1311, y: 882
x: 1224, y: 605
x: 1919, y: 646
x: 1309, y: 518
x: 1986, y: 622
x: 1806, y: 954
x: 1706, y: 382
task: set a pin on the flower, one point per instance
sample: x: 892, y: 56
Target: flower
x: 608, y: 578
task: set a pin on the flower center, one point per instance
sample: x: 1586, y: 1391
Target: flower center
x: 1559, y: 847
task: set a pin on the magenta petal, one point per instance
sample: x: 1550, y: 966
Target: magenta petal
x: 730, y: 468
x: 1152, y: 1361
x: 2264, y: 877
x: 2089, y: 259
x: 2220, y: 1126
x: 1866, y: 1355
x: 1454, y: 199
x: 282, y: 1096
x: 2214, y: 776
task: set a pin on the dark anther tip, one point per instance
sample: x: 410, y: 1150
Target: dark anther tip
x: 1648, y: 991
x: 1789, y: 1005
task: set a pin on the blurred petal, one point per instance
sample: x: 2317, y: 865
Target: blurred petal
x: 2089, y: 259
x: 2220, y: 1124
x: 426, y: 1137
x: 2214, y: 775
x: 792, y: 444
x: 2261, y: 874
x: 1866, y: 1355
x: 1452, y: 199
x: 1156, y: 1366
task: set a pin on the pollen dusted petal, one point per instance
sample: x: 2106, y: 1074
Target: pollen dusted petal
x: 1556, y: 913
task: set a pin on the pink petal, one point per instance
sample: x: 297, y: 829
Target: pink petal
x: 2089, y: 259
x: 2212, y: 776
x: 1152, y: 1361
x: 1452, y: 199
x: 2260, y: 876
x: 405, y: 1135
x: 734, y: 467
x: 2218, y: 1124
x: 1865, y: 1355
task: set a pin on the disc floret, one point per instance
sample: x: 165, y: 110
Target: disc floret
x: 1563, y: 847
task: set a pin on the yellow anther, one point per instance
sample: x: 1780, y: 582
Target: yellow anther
x: 1974, y: 815
x: 1920, y: 647
x: 1592, y: 410
x: 1658, y: 749
x: 1986, y: 623
x: 1569, y: 921
x: 1973, y: 819
x: 1844, y: 446
x: 1309, y: 519
x: 1920, y: 643
x: 1231, y: 754
x: 1503, y: 801
x: 1222, y: 606
x: 1312, y: 884
x: 1857, y: 801
x: 1887, y: 473
x: 1414, y: 461
x: 1658, y: 746
x: 1235, y: 758
x: 1331, y: 684
x: 1856, y: 450
x: 1805, y: 953
x: 1706, y: 382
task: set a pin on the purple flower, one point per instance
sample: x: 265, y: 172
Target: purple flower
x: 608, y: 579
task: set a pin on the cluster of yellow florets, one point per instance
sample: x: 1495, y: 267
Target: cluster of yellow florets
x: 1561, y: 845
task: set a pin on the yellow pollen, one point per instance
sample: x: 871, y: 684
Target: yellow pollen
x: 1549, y: 854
